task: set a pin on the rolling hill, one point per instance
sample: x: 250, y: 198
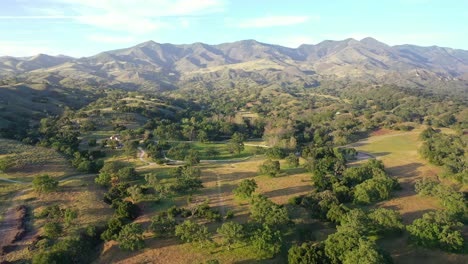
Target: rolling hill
x: 158, y: 66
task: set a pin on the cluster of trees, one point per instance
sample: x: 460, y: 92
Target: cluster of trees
x: 116, y: 176
x: 351, y: 243
x: 437, y: 230
x: 365, y: 184
x: 71, y: 249
x: 453, y: 202
x: 440, y: 229
x: 447, y: 151
x: 57, y: 214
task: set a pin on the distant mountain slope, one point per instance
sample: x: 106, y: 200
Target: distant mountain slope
x: 164, y: 66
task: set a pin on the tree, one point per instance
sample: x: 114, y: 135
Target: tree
x: 44, y: 184
x: 270, y: 168
x: 267, y: 241
x: 114, y: 225
x: 6, y: 163
x: 69, y: 215
x: 337, y: 212
x: 52, y: 229
x: 130, y: 148
x: 236, y: 143
x: 107, y: 172
x: 307, y: 253
x: 103, y: 179
x: 202, y: 136
x: 231, y: 232
x: 356, y: 220
x: 366, y: 252
x: 163, y: 225
x: 292, y: 160
x: 131, y: 237
x: 386, y: 221
x: 135, y: 193
x: 127, y: 174
x: 337, y: 244
x: 192, y: 158
x: 437, y: 230
x: 245, y: 189
x: 126, y: 209
x: 375, y: 189
x: 190, y: 231
x: 267, y: 212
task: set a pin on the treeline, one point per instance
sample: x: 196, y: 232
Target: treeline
x: 447, y: 151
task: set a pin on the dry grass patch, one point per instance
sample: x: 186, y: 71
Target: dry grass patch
x: 79, y: 194
x: 28, y: 161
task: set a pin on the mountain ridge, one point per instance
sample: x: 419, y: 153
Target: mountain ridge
x: 151, y: 64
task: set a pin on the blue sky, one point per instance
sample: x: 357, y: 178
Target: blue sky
x: 86, y: 27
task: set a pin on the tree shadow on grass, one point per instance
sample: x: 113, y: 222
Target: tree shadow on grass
x: 150, y: 243
x: 380, y: 154
x: 409, y: 217
x: 288, y: 191
x: 405, y: 171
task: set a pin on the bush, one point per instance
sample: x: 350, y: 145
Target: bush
x: 44, y: 184
x: 270, y: 168
x: 131, y: 237
x: 245, y: 188
x: 292, y: 160
x: 275, y: 153
x: 163, y: 224
x: 52, y: 230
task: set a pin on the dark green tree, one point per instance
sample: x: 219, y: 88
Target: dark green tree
x: 190, y: 231
x: 245, y: 189
x: 307, y: 253
x: 44, y: 184
x: 131, y: 237
x: 231, y: 232
x: 270, y: 168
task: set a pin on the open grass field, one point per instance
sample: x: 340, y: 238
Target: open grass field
x: 222, y: 149
x: 219, y: 181
x: 27, y: 161
x: 399, y: 152
x: 79, y: 193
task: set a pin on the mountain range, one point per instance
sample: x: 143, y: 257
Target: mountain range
x: 158, y: 66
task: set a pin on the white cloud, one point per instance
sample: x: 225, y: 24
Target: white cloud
x: 122, y: 22
x: 37, y: 17
x: 130, y: 16
x: 149, y: 8
x: 273, y: 21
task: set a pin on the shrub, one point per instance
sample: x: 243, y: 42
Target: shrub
x: 44, y: 184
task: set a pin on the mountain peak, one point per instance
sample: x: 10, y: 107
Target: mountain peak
x: 149, y: 43
x: 372, y: 42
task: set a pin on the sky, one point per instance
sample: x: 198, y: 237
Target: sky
x: 86, y: 27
